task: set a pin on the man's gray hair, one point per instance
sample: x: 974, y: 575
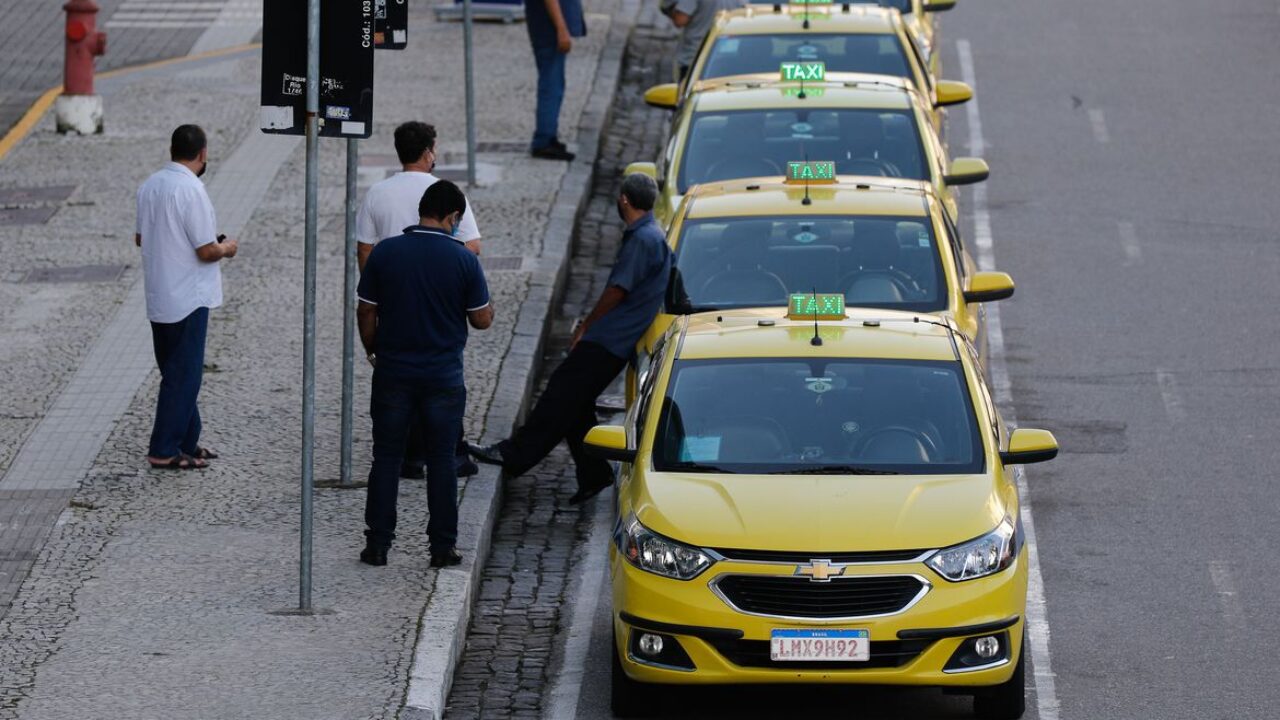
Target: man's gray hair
x: 640, y: 190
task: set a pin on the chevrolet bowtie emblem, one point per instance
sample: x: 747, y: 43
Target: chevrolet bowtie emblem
x: 820, y: 570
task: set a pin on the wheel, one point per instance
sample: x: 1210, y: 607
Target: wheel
x: 627, y: 698
x: 1008, y: 700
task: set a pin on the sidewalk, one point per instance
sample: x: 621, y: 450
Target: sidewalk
x: 139, y: 594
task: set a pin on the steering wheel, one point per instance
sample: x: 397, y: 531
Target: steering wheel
x: 750, y: 167
x: 904, y: 282
x: 930, y: 447
x: 878, y: 167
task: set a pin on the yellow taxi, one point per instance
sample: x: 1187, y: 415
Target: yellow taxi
x: 918, y: 15
x: 823, y: 498
x: 872, y: 126
x: 880, y: 242
x: 751, y: 44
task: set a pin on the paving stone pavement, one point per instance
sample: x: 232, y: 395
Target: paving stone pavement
x: 508, y: 663
x: 151, y: 596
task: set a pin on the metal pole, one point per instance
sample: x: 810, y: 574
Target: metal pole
x: 348, y: 314
x: 471, y: 94
x: 309, y: 304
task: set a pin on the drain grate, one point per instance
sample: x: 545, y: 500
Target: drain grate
x: 35, y: 195
x: 76, y: 274
x: 27, y: 216
x: 499, y: 263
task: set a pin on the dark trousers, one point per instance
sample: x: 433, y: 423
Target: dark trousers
x: 179, y: 351
x: 395, y: 402
x: 415, y: 449
x: 550, y: 63
x: 566, y: 411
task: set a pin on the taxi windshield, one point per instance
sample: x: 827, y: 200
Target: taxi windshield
x: 903, y: 6
x: 727, y: 145
x: 814, y: 416
x: 751, y: 54
x: 876, y: 261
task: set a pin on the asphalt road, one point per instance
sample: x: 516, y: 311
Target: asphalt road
x: 1135, y: 149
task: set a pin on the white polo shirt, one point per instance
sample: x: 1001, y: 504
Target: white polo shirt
x: 391, y: 205
x: 175, y: 217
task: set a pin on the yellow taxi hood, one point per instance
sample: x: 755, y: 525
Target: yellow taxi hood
x: 818, y: 513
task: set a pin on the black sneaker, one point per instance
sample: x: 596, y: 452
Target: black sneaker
x: 374, y: 555
x: 467, y: 468
x: 553, y: 152
x: 587, y: 492
x: 487, y: 454
x: 447, y: 558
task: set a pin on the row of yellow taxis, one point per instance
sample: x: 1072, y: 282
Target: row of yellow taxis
x: 816, y: 485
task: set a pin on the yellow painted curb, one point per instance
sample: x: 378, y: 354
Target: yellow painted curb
x: 37, y: 110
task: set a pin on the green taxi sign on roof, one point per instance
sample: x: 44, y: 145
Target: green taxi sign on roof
x: 816, y: 306
x: 821, y: 171
x: 813, y: 71
x: 810, y: 2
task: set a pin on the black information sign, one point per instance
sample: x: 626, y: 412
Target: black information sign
x: 346, y: 67
x: 390, y: 24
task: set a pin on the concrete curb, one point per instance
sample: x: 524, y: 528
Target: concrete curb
x: 442, y: 629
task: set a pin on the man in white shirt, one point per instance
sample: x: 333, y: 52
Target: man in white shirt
x: 181, y: 248
x: 389, y: 208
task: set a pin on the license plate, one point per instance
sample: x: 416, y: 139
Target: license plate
x: 809, y: 645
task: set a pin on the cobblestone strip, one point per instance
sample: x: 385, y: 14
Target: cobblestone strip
x: 511, y: 646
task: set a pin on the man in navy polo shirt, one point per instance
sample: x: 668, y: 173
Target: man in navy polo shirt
x: 552, y: 25
x: 418, y: 293
x: 602, y: 346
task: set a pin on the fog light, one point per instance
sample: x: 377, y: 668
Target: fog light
x: 986, y: 647
x: 650, y: 644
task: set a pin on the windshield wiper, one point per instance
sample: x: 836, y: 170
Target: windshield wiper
x: 834, y: 470
x: 696, y: 466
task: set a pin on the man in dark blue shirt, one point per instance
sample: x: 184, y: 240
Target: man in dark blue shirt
x: 602, y: 346
x: 418, y: 293
x: 552, y: 25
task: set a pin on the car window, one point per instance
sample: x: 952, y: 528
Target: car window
x: 750, y: 54
x: 727, y: 145
x: 903, y: 6
x: 818, y: 416
x: 876, y: 261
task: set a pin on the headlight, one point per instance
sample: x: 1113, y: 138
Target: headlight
x: 659, y: 555
x: 989, y: 554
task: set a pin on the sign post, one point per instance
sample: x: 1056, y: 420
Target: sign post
x: 309, y: 304
x: 467, y: 20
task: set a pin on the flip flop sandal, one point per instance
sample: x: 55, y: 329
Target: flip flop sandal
x: 179, y: 462
x: 205, y: 454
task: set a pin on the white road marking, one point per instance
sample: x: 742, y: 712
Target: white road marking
x: 1043, y: 679
x: 1225, y: 583
x: 568, y: 684
x: 1129, y: 242
x: 1099, y: 123
x: 1170, y: 394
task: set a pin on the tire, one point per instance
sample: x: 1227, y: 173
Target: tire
x: 1008, y: 700
x: 627, y: 698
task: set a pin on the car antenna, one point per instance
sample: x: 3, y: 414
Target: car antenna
x: 817, y: 339
x: 806, y: 200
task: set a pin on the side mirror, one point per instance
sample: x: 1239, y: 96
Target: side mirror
x: 663, y: 96
x: 988, y: 287
x: 952, y: 92
x: 610, y: 443
x: 644, y: 168
x: 939, y: 5
x: 967, y: 171
x: 1028, y: 446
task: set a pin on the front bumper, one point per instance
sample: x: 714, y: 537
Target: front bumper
x: 913, y: 646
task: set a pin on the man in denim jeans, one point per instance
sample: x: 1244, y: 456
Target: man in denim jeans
x: 552, y: 25
x: 418, y: 293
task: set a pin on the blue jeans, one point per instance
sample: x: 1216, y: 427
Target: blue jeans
x: 550, y: 62
x: 394, y: 404
x: 179, y: 351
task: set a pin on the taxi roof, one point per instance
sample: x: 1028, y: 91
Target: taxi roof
x: 764, y: 20
x: 740, y: 334
x: 874, y: 92
x: 850, y: 195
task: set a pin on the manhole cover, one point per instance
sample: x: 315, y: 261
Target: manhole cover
x: 76, y: 274
x: 35, y: 195
x: 27, y: 216
x: 498, y: 263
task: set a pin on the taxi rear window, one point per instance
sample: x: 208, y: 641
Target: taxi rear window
x: 751, y: 54
x: 728, y: 145
x: 876, y: 261
x: 818, y: 416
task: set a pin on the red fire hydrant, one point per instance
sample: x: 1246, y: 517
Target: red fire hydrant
x: 78, y: 109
